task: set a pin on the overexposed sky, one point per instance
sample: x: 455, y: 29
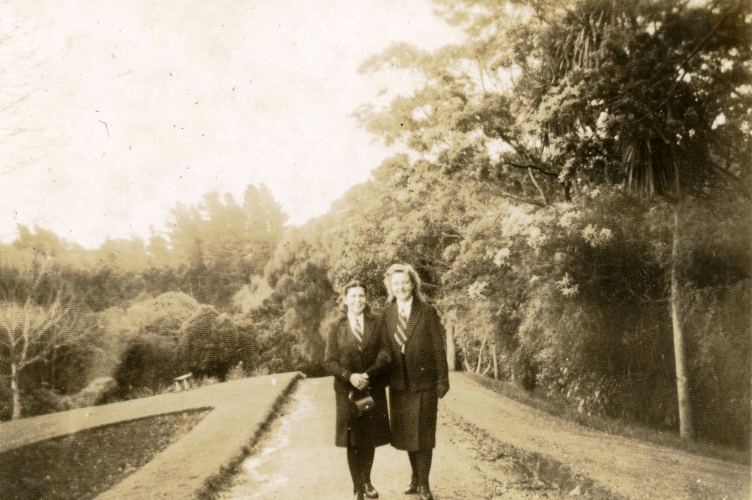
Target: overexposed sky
x: 196, y: 96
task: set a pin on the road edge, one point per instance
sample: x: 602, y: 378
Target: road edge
x: 219, y: 481
x: 542, y: 469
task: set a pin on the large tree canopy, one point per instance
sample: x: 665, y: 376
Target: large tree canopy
x: 551, y: 114
x: 223, y: 243
x: 543, y: 98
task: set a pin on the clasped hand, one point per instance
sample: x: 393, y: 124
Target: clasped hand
x: 359, y: 381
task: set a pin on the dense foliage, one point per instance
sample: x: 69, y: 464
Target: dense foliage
x: 574, y: 190
x: 141, y: 313
x: 597, y: 155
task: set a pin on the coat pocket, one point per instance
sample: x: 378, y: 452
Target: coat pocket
x: 427, y: 375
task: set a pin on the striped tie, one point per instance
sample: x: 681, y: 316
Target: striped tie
x: 358, y: 333
x: 400, y: 335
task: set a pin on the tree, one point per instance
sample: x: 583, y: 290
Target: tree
x: 143, y: 340
x: 544, y: 101
x: 209, y: 343
x: 163, y: 315
x: 408, y: 212
x: 221, y: 244
x: 306, y: 296
x: 275, y: 345
x: 265, y: 221
x: 38, y: 316
x: 656, y: 75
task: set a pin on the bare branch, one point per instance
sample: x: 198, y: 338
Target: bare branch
x: 521, y: 200
x: 535, y: 183
x: 730, y: 179
x: 539, y: 169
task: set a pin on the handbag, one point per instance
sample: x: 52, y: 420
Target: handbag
x: 363, y: 404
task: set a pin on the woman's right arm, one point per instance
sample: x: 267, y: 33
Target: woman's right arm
x: 383, y: 358
x: 331, y: 357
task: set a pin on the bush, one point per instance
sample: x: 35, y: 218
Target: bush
x: 148, y: 362
x: 312, y: 370
x: 237, y: 372
x: 587, y: 286
x: 524, y: 368
x: 161, y: 315
x: 717, y: 324
x: 211, y: 344
x: 203, y: 381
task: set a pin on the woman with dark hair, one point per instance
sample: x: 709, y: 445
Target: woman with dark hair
x: 419, y: 373
x: 358, y: 358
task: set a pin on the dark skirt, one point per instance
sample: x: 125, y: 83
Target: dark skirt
x: 371, y: 429
x: 414, y: 419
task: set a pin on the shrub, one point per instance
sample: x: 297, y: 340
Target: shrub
x: 717, y: 322
x: 211, y: 344
x: 237, y: 372
x: 146, y: 363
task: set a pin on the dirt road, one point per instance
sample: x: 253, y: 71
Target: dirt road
x: 298, y: 460
x: 630, y: 468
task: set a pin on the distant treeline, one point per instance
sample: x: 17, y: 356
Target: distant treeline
x: 575, y: 196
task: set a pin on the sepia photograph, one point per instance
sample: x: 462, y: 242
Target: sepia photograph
x: 362, y: 249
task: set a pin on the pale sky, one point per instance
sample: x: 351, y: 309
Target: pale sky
x: 197, y: 96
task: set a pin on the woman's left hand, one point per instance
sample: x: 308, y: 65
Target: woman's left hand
x: 359, y: 381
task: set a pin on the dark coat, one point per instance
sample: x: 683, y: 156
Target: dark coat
x: 342, y: 359
x: 425, y: 349
x: 418, y: 377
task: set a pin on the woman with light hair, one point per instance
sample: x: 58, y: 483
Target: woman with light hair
x: 357, y: 356
x: 419, y: 374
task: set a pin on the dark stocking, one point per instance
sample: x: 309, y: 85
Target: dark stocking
x: 360, y: 462
x: 423, y: 461
x: 352, y: 463
x: 412, y: 455
x: 366, y: 462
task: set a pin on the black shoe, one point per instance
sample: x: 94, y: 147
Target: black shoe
x: 358, y: 496
x: 369, y: 491
x: 425, y: 493
x: 412, y: 489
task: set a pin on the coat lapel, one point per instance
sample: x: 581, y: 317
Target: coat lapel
x: 347, y: 333
x: 391, y: 322
x: 415, y: 311
x: 367, y: 329
x: 349, y: 345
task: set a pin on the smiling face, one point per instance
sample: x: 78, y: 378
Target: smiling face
x: 402, y: 286
x: 355, y: 300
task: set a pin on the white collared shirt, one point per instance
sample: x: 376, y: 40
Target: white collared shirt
x: 404, y: 308
x: 359, y: 318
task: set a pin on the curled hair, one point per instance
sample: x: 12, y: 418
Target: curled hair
x: 353, y: 284
x: 414, y: 278
x: 346, y: 288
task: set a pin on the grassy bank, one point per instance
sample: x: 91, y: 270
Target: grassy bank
x: 559, y: 407
x: 86, y: 463
x: 533, y: 472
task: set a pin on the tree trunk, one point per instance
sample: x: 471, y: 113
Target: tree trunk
x: 495, y: 360
x: 487, y: 368
x: 480, y: 355
x: 465, y: 352
x: 537, y: 186
x: 451, y: 355
x: 682, y: 386
x: 16, y: 394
